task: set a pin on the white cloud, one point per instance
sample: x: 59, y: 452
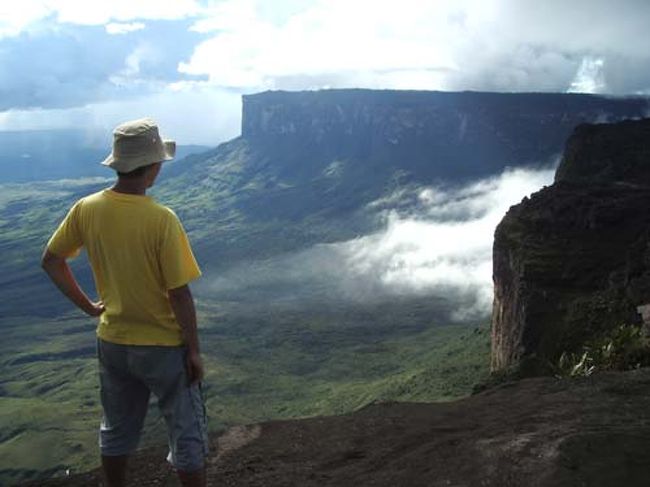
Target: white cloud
x: 590, y: 77
x: 445, y: 244
x: 360, y: 40
x: 101, y: 12
x: 190, y: 116
x: 144, y: 52
x: 116, y: 28
x: 440, y: 246
x: 18, y: 16
x: 253, y: 45
x: 504, y: 45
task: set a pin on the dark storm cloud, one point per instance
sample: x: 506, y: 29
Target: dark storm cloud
x: 69, y: 66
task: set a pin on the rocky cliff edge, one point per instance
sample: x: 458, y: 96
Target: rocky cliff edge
x: 572, y: 262
x: 539, y: 432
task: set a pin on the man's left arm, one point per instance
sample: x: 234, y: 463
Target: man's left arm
x: 59, y: 271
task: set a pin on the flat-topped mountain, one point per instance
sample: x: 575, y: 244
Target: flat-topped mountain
x: 431, y: 134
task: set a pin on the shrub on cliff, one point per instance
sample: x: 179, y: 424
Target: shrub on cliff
x: 624, y: 348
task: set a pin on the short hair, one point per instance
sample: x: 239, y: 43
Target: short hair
x: 136, y: 173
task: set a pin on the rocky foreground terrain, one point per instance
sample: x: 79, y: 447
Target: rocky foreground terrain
x: 541, y: 432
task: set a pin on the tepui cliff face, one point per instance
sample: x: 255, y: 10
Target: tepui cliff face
x: 429, y: 134
x: 573, y: 260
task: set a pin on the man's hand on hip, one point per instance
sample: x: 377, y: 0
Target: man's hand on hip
x: 59, y: 271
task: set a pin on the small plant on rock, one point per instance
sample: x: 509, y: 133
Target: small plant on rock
x: 624, y: 348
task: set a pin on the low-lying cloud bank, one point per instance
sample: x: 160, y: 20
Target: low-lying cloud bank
x: 435, y: 242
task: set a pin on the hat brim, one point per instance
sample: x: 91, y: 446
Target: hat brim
x: 128, y: 164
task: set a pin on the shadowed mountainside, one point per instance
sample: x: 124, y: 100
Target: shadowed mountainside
x: 430, y: 135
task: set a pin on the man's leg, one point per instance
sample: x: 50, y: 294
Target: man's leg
x: 184, y: 412
x: 192, y: 479
x: 186, y: 422
x: 124, y: 402
x: 115, y: 470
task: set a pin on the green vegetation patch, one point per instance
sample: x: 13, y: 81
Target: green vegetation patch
x: 626, y: 347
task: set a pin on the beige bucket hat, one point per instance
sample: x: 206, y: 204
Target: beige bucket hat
x: 137, y: 143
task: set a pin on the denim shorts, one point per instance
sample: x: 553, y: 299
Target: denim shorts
x: 128, y: 374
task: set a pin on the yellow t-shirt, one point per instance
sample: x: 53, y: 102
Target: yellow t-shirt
x: 137, y: 250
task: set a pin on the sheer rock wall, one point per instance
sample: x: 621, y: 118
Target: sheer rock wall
x: 573, y: 261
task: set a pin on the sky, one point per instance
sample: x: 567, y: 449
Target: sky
x: 91, y: 65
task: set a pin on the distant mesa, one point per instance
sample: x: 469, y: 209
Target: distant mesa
x: 573, y: 260
x: 442, y: 134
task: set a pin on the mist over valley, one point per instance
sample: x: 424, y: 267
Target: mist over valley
x: 433, y: 243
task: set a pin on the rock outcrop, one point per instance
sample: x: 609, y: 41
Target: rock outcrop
x: 606, y: 154
x: 535, y: 433
x: 573, y: 261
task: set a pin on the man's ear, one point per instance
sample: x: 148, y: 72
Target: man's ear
x: 152, y: 172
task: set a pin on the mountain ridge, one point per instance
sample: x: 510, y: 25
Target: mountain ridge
x: 438, y: 134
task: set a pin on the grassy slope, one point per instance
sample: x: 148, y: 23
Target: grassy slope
x: 29, y: 213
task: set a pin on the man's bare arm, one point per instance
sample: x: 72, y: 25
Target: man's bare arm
x: 182, y: 303
x: 58, y: 270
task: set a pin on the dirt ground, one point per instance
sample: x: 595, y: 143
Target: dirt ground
x: 592, y: 432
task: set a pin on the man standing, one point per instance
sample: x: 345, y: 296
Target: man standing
x: 147, y: 342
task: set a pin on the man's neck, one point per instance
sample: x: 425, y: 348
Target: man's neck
x: 130, y: 187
